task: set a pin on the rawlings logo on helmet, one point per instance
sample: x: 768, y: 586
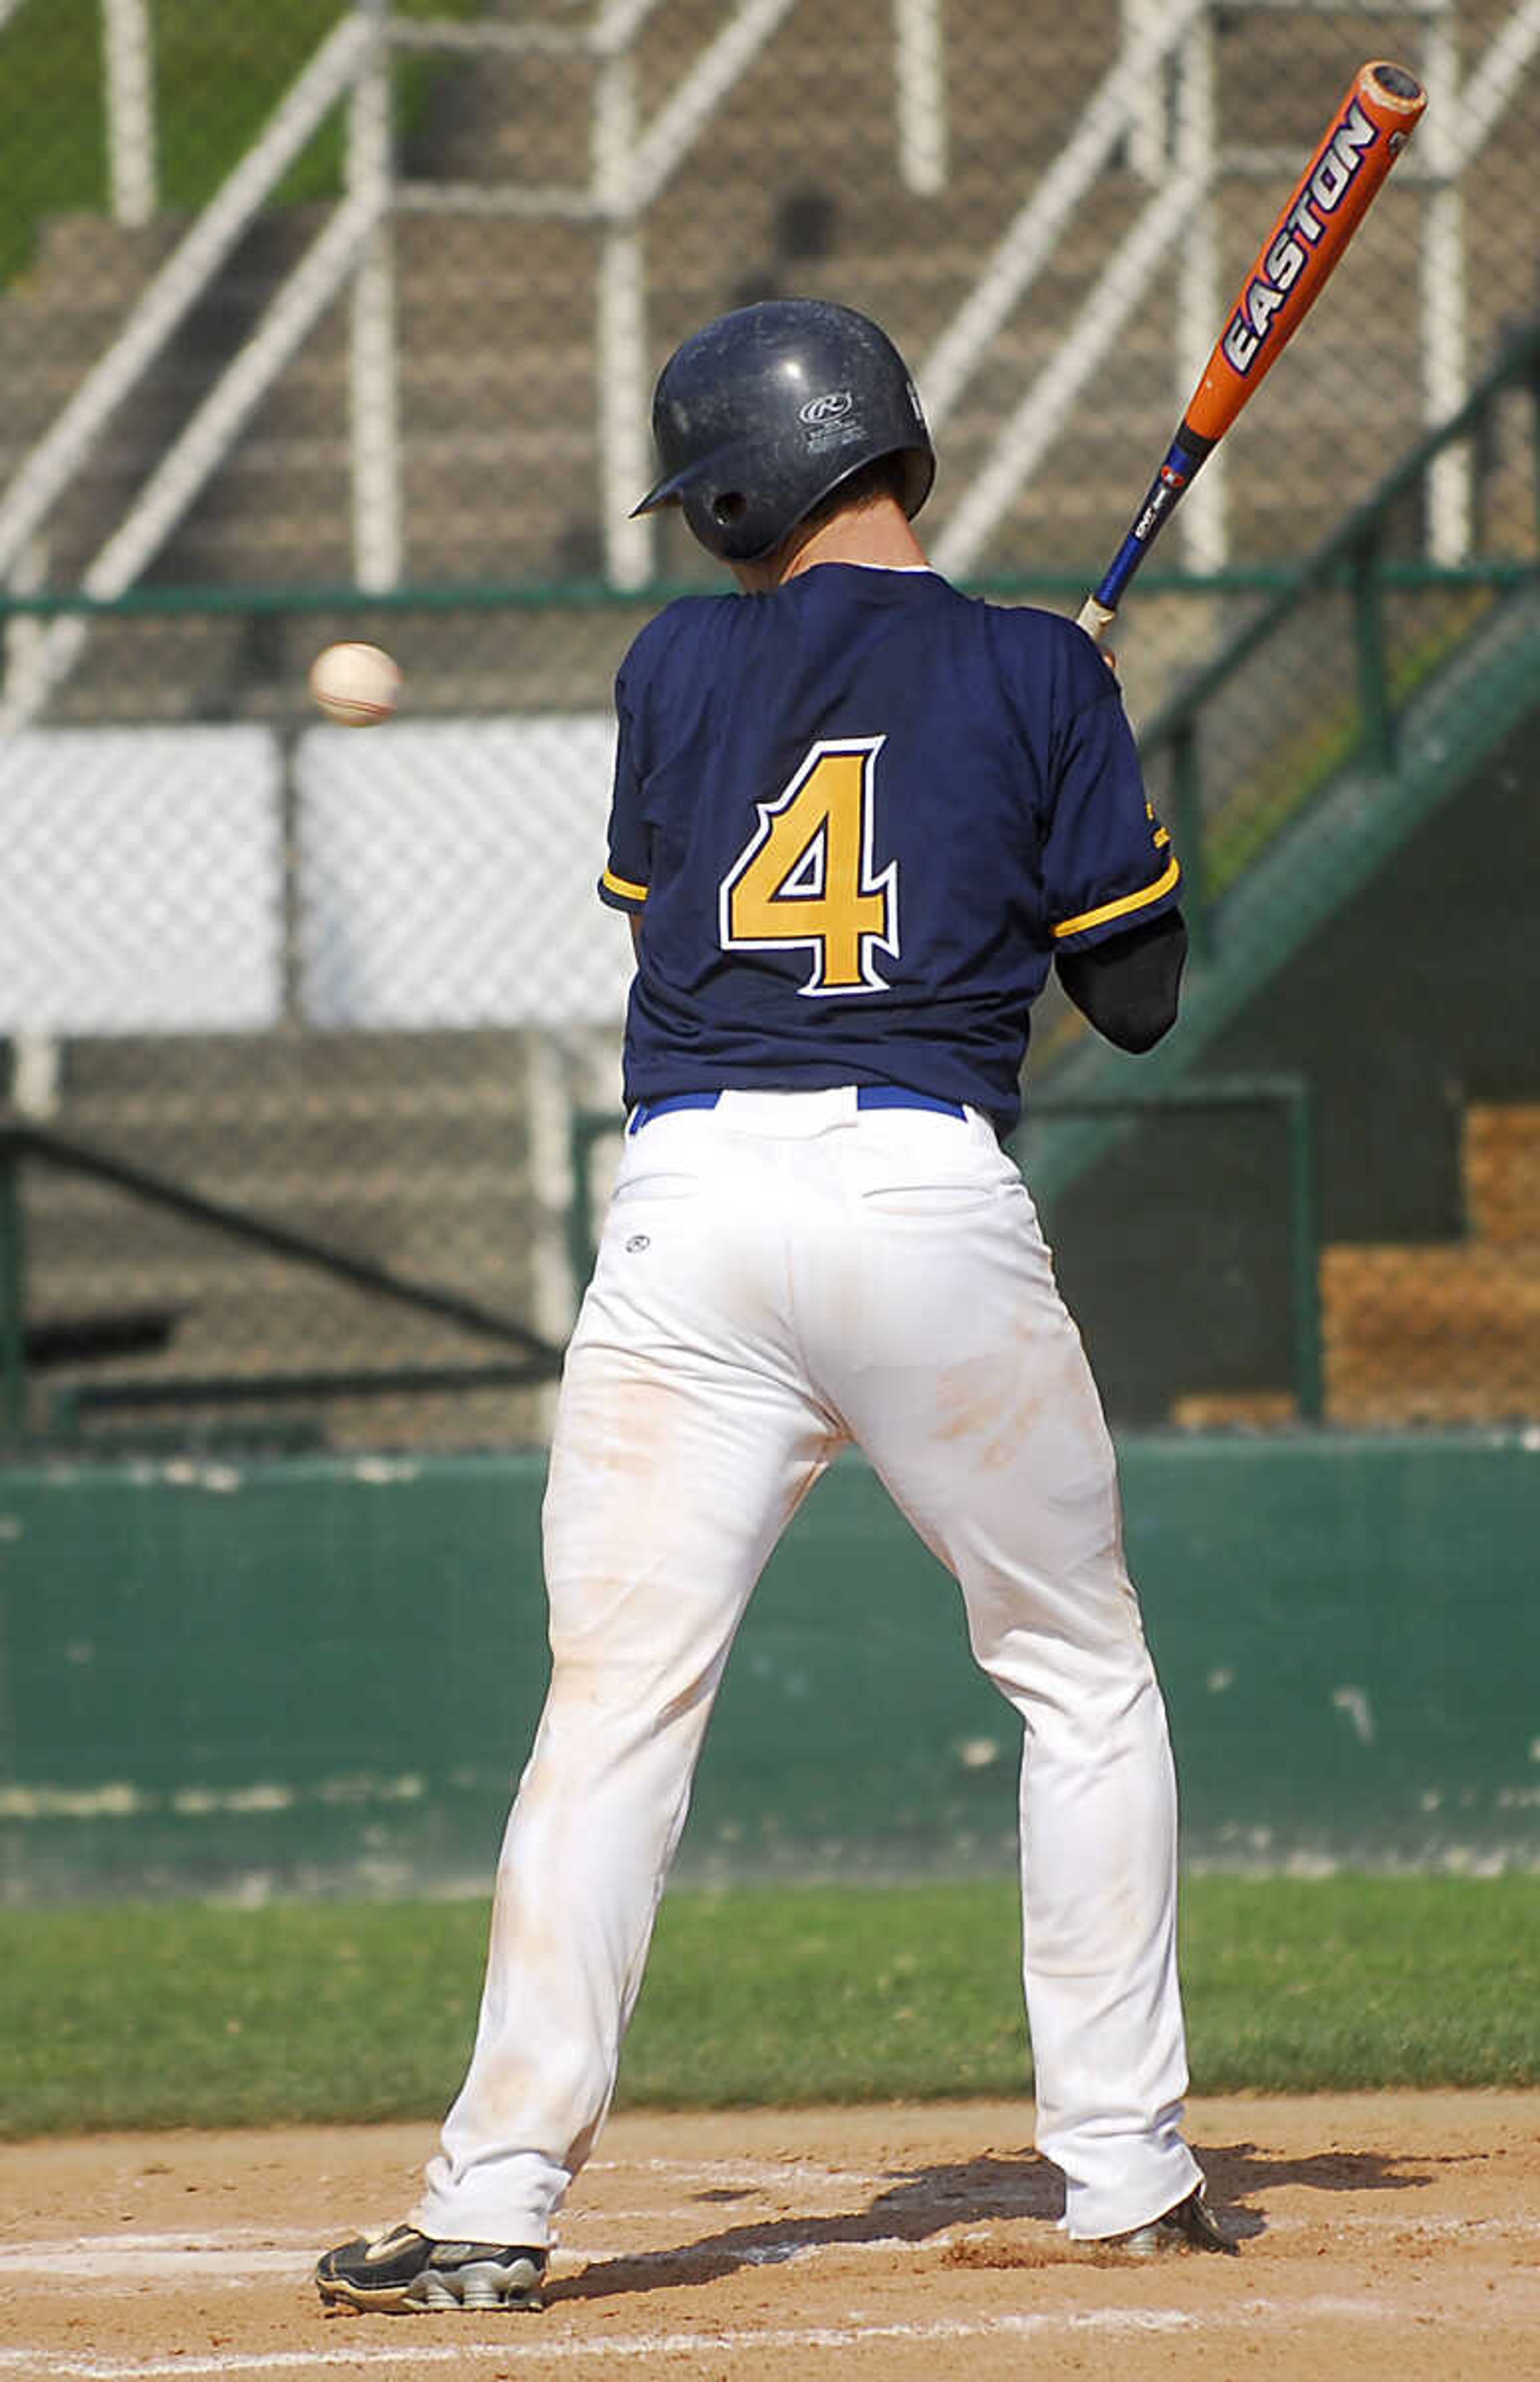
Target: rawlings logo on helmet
x: 832, y: 406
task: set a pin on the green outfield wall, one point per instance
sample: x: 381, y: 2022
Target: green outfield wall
x: 324, y: 1675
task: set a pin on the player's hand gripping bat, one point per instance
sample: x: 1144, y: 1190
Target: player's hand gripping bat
x: 1367, y: 132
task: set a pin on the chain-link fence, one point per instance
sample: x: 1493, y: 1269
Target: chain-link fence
x: 325, y: 321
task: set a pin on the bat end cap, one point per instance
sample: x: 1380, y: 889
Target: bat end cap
x: 1397, y: 85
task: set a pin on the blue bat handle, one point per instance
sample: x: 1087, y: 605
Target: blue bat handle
x: 1184, y: 459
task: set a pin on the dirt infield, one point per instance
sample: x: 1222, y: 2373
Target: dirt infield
x: 1394, y: 2236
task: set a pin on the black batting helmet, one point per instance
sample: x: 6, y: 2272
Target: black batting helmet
x: 762, y: 414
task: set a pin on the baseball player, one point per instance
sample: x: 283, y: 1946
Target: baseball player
x: 858, y: 816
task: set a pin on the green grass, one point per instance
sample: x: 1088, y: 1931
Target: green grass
x: 219, y: 72
x: 186, y: 2014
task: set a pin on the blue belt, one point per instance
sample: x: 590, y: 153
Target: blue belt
x: 868, y: 1096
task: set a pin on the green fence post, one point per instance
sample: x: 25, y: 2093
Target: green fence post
x: 13, y: 1299
x: 1374, y: 691
x: 1304, y: 1255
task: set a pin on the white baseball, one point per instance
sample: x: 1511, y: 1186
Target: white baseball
x: 356, y: 685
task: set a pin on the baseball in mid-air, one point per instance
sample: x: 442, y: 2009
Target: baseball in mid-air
x: 356, y: 685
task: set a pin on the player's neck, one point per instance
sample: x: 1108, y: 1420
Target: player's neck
x: 877, y: 536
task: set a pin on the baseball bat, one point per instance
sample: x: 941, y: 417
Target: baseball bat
x: 1369, y: 128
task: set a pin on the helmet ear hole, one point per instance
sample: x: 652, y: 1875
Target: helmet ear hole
x: 730, y: 506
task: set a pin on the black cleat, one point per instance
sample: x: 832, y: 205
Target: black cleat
x: 395, y: 2273
x: 1192, y: 2225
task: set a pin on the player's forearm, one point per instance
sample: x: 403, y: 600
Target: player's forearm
x: 1128, y: 986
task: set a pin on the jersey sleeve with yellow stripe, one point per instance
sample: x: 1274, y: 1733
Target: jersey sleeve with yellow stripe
x: 628, y: 868
x: 1107, y: 862
x: 621, y: 894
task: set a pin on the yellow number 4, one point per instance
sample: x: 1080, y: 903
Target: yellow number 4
x: 806, y: 875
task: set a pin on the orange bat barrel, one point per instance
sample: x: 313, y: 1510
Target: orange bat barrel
x: 1367, y: 133
x: 1369, y: 130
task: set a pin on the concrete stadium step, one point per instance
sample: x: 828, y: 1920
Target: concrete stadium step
x: 411, y: 1217
x: 376, y: 1169
x: 423, y: 1067
x: 406, y: 1150
x: 216, y: 1440
x: 75, y: 245
x: 527, y: 115
x: 251, y: 1119
x: 141, y: 1121
x: 88, y: 274
x: 153, y: 668
x: 1430, y: 1335
x: 144, y: 670
x: 235, y: 1301
x: 55, y: 323
x: 460, y: 663
x: 1502, y: 1172
x: 247, y: 1321
x: 249, y: 1318
x: 277, y: 520
x: 1234, y: 1410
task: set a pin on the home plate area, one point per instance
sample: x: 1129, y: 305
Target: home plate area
x: 1381, y: 2234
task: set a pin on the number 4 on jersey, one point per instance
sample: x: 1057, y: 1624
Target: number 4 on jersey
x: 806, y: 877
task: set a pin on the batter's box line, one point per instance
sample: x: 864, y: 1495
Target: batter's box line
x: 763, y: 2171
x: 706, y: 2342
x: 114, y: 2259
x: 696, y: 2343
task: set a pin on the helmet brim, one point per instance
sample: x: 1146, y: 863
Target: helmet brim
x: 670, y: 490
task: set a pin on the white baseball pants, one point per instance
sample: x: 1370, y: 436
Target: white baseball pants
x: 778, y: 1275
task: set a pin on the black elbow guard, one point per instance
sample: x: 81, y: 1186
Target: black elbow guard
x: 1129, y: 985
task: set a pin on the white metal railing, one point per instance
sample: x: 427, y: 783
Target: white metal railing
x: 128, y: 54
x: 920, y: 78
x: 374, y: 379
x: 1461, y: 118
x: 1441, y: 285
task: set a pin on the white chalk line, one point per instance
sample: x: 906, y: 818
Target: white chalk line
x: 767, y: 2170
x: 541, y: 2347
x: 749, y: 2171
x: 264, y: 2253
x: 628, y: 2346
x: 111, y: 2259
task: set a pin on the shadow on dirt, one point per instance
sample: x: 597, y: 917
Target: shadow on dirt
x: 921, y: 2203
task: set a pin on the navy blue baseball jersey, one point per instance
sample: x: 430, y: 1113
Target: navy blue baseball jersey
x: 857, y: 817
